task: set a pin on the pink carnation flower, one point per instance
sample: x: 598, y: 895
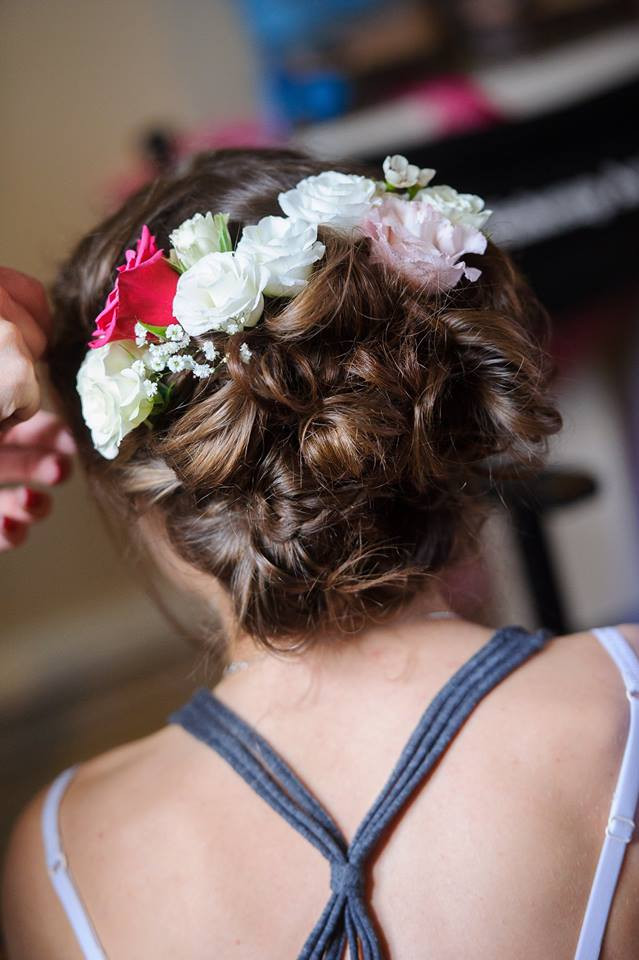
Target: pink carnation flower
x: 418, y: 241
x: 143, y: 291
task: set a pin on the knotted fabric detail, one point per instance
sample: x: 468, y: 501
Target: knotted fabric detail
x: 346, y: 879
x: 345, y: 918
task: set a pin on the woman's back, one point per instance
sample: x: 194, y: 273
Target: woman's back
x: 175, y: 856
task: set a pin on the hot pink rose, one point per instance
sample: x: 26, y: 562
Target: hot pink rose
x: 143, y: 291
x: 418, y: 241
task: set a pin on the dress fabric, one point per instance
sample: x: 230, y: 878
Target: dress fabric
x: 346, y: 918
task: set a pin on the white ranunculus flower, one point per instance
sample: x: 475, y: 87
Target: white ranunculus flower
x: 287, y: 248
x: 464, y: 208
x: 202, y: 234
x: 338, y: 200
x: 399, y: 172
x: 113, y: 394
x: 222, y: 291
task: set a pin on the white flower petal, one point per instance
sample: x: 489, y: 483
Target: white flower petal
x: 426, y: 174
x: 466, y: 208
x: 287, y: 248
x: 399, y: 172
x: 338, y: 200
x: 196, y: 237
x: 218, y: 290
x: 112, y: 393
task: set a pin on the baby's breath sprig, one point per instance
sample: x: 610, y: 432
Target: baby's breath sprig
x: 172, y: 350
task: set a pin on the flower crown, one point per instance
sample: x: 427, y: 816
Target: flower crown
x: 160, y: 303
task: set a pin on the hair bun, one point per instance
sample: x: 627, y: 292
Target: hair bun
x: 327, y: 479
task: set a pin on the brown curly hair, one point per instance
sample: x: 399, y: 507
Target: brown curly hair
x: 324, y: 482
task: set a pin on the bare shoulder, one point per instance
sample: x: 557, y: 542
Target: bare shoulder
x: 624, y: 923
x: 604, y: 718
x: 582, y: 687
x: 588, y: 669
x: 107, y: 800
x: 631, y: 632
x: 27, y: 894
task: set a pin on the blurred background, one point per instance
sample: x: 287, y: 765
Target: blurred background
x: 531, y: 103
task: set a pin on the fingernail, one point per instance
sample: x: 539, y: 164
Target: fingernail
x: 64, y: 469
x: 10, y: 526
x: 33, y: 499
x: 53, y: 470
x: 66, y: 442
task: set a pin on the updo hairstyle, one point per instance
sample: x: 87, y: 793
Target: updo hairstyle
x: 326, y: 481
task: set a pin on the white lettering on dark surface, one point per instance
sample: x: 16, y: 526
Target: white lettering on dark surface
x: 587, y: 200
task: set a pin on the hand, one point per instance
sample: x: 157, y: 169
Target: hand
x: 35, y: 447
x: 25, y: 325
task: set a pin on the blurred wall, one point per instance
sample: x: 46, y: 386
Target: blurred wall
x: 79, y: 82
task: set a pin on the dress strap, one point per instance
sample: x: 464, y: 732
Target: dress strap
x: 58, y: 870
x: 621, y: 822
x: 346, y: 918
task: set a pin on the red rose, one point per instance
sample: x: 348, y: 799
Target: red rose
x: 143, y: 292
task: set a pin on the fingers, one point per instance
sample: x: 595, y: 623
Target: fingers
x: 35, y: 447
x: 32, y: 465
x: 12, y: 533
x: 45, y: 430
x: 19, y: 388
x: 30, y: 294
x: 36, y: 451
x: 24, y: 505
x: 23, y: 339
x: 14, y: 312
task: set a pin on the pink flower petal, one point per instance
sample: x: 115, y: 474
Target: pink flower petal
x: 144, y: 290
x: 418, y: 241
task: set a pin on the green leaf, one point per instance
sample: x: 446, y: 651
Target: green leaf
x: 162, y: 398
x: 159, y: 332
x: 174, y: 261
x: 221, y: 223
x: 165, y: 391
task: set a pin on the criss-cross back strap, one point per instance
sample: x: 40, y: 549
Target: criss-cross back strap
x: 345, y: 918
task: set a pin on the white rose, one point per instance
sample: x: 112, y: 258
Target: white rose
x: 464, y: 208
x: 287, y: 248
x: 339, y: 200
x: 222, y: 291
x: 113, y: 394
x: 198, y: 236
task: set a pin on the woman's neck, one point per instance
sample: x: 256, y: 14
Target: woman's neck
x: 391, y: 638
